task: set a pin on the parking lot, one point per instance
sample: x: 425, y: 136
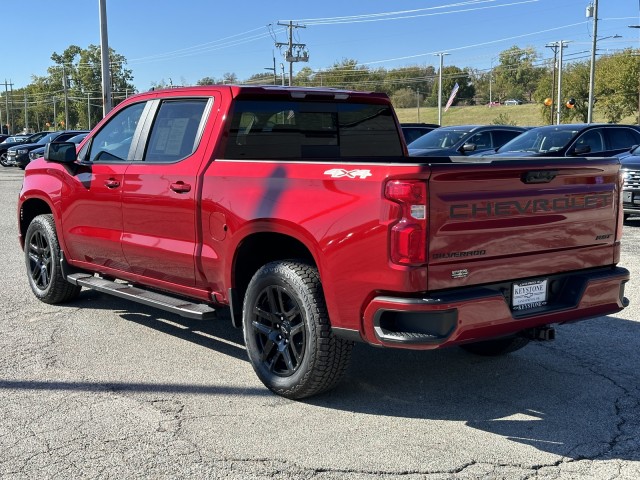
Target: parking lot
x: 104, y: 388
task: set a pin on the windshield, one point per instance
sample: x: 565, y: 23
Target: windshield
x: 439, y: 138
x: 35, y: 137
x: 47, y: 138
x: 540, y: 140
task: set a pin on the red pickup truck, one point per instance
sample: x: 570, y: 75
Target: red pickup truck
x: 300, y: 212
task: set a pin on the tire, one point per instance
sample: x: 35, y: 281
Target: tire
x: 626, y: 216
x: 287, y: 331
x: 499, y: 346
x: 3, y: 159
x: 42, y: 256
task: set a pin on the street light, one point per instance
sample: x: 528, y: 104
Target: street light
x: 592, y: 72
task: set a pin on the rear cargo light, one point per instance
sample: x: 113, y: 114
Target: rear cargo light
x: 408, y: 236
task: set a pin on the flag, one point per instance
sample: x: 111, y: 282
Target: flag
x: 452, y: 97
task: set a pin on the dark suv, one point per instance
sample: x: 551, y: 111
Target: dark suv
x: 4, y: 146
x: 19, y: 155
x: 572, y: 140
x: 413, y: 131
x: 631, y: 190
x: 462, y: 140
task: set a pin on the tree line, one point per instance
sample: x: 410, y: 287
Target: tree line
x: 518, y: 73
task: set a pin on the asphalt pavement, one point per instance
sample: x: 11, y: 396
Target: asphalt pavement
x: 104, y: 388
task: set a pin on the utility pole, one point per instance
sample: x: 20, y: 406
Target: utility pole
x: 26, y: 116
x: 54, y: 110
x: 89, y: 110
x: 104, y: 54
x: 562, y: 46
x: 6, y: 102
x: 441, y: 55
x: 418, y: 102
x: 11, y: 100
x: 301, y: 54
x: 273, y: 69
x: 66, y: 98
x: 554, y: 47
x: 637, y: 26
x: 592, y: 69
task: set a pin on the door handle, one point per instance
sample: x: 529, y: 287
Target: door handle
x: 112, y: 183
x: 180, y: 187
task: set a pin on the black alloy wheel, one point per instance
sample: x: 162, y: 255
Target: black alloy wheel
x: 279, y: 331
x: 287, y: 331
x: 39, y: 260
x: 42, y: 257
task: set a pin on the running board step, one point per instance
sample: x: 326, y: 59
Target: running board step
x: 196, y: 311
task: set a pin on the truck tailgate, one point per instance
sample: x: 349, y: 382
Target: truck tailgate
x: 517, y: 219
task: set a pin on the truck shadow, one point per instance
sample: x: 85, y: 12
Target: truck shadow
x: 576, y: 397
x: 218, y: 335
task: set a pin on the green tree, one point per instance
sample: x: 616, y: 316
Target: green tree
x: 517, y: 76
x: 82, y: 69
x: 405, y: 98
x: 617, y: 84
x: 575, y: 84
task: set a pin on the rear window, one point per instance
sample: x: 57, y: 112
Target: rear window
x: 288, y: 130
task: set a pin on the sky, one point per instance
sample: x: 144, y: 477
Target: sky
x: 182, y: 42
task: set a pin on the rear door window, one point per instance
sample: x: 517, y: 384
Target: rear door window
x: 500, y: 137
x: 622, y: 138
x: 288, y: 130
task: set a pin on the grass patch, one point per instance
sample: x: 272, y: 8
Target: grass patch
x: 528, y: 115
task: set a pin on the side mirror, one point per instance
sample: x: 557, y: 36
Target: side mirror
x: 468, y: 147
x: 62, y: 152
x: 581, y: 150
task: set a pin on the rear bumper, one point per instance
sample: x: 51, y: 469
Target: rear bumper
x: 478, y: 313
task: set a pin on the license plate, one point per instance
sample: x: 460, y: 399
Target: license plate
x: 529, y: 294
x: 627, y: 197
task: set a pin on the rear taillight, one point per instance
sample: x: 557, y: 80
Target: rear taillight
x: 408, y: 236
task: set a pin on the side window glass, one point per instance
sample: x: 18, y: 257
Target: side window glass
x: 500, y: 137
x: 593, y: 139
x: 113, y: 141
x: 174, y: 134
x: 481, y: 140
x: 622, y: 138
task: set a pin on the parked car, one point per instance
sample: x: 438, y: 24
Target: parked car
x: 18, y: 140
x: 513, y: 101
x: 413, y: 131
x: 631, y: 190
x: 14, y: 138
x: 462, y: 140
x: 39, y: 152
x: 572, y: 140
x: 19, y: 155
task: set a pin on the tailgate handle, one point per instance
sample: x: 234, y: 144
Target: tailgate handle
x: 539, y: 176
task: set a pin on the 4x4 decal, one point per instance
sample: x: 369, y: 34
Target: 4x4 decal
x: 341, y: 172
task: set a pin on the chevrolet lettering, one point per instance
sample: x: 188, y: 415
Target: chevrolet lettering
x: 513, y: 207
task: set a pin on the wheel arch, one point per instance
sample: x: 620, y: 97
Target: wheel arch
x: 254, y: 251
x: 29, y: 210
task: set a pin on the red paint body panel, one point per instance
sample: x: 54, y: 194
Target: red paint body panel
x: 178, y: 227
